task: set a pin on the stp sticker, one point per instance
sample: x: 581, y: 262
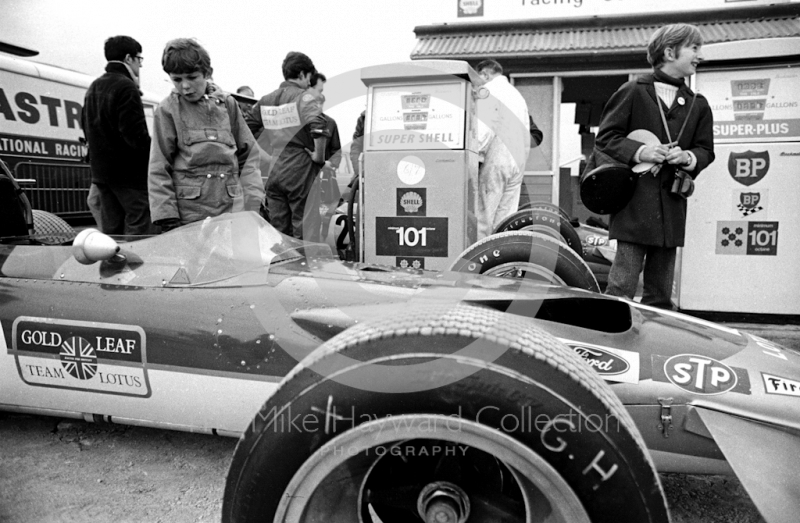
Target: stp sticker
x: 750, y: 238
x: 79, y: 355
x: 750, y: 205
x: 410, y: 170
x: 612, y: 364
x: 748, y: 167
x: 781, y: 386
x: 700, y: 374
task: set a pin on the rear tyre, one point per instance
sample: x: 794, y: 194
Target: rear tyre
x: 50, y: 229
x: 545, y: 206
x: 545, y: 222
x: 498, y: 417
x: 530, y: 255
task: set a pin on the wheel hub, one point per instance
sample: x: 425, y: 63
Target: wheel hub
x: 443, y: 502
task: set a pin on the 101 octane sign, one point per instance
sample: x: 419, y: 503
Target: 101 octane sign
x: 740, y: 237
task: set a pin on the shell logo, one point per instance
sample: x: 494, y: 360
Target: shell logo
x: 411, y: 202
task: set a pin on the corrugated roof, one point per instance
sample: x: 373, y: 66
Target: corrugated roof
x: 582, y: 36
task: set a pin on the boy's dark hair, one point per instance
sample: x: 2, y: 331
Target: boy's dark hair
x: 492, y: 65
x: 316, y: 77
x: 672, y: 35
x: 184, y: 56
x: 117, y: 47
x: 296, y: 64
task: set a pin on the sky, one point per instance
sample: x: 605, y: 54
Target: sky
x: 246, y: 39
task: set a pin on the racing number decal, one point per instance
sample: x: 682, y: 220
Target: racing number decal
x: 700, y: 374
x: 80, y: 355
x: 420, y: 237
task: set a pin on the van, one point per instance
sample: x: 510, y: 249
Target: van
x: 41, y: 135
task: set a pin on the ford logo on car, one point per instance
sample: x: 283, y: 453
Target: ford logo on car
x: 603, y: 361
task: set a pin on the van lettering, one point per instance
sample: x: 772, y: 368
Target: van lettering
x: 27, y: 113
x: 5, y: 107
x: 73, y: 110
x: 52, y: 104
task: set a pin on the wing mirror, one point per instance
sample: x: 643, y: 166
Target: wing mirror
x: 91, y: 245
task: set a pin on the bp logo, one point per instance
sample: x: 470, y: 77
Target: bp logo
x: 699, y: 374
x: 748, y: 167
x: 749, y: 203
x: 78, y: 358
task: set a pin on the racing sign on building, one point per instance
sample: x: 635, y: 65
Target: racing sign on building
x: 79, y: 355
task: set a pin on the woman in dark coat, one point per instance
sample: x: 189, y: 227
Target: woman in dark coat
x: 650, y: 228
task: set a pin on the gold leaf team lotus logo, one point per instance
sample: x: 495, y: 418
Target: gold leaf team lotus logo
x: 78, y: 358
x: 411, y: 202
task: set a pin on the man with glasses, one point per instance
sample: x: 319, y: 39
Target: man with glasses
x: 119, y: 144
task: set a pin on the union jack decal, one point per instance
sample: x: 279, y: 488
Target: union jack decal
x: 78, y: 358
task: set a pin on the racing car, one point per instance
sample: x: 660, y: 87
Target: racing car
x: 367, y: 393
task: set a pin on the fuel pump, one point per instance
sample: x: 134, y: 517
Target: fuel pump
x: 418, y: 187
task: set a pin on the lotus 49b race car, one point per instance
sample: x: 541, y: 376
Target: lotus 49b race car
x: 367, y: 393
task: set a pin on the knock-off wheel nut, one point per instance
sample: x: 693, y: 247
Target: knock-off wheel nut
x: 443, y: 502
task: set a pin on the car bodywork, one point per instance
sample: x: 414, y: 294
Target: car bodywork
x: 193, y: 329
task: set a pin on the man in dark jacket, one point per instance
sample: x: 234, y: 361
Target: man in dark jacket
x: 289, y: 126
x: 119, y: 144
x: 650, y: 228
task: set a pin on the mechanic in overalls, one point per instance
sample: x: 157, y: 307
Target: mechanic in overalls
x: 289, y: 125
x: 203, y: 159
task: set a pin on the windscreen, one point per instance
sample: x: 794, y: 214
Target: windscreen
x: 202, y: 253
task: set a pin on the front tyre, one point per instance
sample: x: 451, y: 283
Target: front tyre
x: 453, y: 412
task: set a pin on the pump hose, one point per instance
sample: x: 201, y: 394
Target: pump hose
x: 352, y: 247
